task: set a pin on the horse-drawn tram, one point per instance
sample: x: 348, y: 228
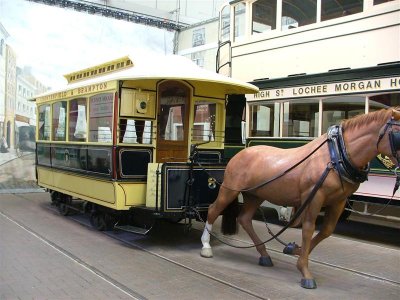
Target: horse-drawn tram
x: 137, y: 139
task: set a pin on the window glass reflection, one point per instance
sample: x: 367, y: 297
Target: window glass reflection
x: 300, y: 119
x: 331, y: 9
x: 264, y: 120
x: 264, y: 16
x: 296, y: 13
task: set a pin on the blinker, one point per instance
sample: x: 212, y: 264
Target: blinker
x: 395, y: 139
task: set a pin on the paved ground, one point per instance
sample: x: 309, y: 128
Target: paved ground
x: 47, y: 256
x: 17, y: 174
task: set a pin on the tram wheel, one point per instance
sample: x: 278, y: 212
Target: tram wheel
x: 98, y: 220
x: 63, y: 204
x: 55, y: 197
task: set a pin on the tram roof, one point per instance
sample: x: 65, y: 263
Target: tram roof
x: 160, y: 67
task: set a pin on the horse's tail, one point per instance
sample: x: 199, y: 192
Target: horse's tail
x: 229, y: 218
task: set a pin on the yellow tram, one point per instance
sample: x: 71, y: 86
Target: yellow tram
x: 137, y: 139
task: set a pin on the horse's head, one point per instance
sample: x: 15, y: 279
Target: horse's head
x: 389, y: 137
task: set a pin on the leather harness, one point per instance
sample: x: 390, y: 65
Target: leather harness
x: 340, y: 158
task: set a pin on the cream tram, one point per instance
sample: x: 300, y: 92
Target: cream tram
x: 136, y: 139
x: 316, y: 63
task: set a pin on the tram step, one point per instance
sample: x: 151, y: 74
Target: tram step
x: 133, y: 229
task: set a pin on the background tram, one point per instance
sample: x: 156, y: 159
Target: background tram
x: 137, y: 139
x: 316, y: 63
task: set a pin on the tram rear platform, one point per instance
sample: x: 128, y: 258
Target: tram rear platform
x: 48, y: 256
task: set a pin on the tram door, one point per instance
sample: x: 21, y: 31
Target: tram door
x: 173, y: 122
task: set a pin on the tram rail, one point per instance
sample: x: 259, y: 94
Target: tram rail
x: 239, y: 240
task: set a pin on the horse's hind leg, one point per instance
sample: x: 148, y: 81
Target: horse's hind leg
x: 225, y: 197
x: 251, y: 204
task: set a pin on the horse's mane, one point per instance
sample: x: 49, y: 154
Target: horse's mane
x: 360, y: 120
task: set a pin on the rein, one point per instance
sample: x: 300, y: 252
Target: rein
x: 277, y: 176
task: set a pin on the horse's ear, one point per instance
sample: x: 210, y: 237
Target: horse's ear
x: 395, y: 114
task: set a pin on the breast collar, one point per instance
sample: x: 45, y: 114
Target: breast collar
x: 340, y: 158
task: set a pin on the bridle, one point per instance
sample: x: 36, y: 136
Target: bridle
x: 394, y: 141
x: 394, y: 138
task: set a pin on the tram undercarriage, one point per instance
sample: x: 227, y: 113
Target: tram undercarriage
x: 174, y: 192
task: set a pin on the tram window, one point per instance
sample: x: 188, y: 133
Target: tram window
x: 44, y: 122
x: 240, y: 19
x: 173, y: 112
x: 135, y: 131
x: 331, y: 9
x: 336, y: 109
x: 300, y: 119
x: 376, y: 2
x: 59, y: 121
x: 77, y: 120
x: 296, y: 13
x: 383, y: 101
x: 198, y: 37
x: 225, y: 23
x: 264, y: 16
x: 172, y: 119
x: 264, y: 120
x: 100, y: 118
x: 204, y: 121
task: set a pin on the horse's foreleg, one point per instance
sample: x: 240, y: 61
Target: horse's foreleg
x: 331, y: 217
x: 225, y: 197
x: 245, y: 218
x: 308, y: 229
x: 332, y: 214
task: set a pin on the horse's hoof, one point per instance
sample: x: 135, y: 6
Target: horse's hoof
x: 265, y: 261
x: 289, y: 249
x: 206, y: 252
x: 308, y: 283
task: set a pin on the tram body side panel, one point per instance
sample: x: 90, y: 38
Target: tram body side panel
x: 115, y: 195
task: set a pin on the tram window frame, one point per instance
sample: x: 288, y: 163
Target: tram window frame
x: 101, y: 117
x: 290, y: 19
x: 225, y: 23
x: 239, y: 12
x: 59, y: 125
x: 44, y: 122
x: 295, y: 127
x: 76, y: 134
x: 331, y: 9
x: 267, y: 20
x: 257, y: 120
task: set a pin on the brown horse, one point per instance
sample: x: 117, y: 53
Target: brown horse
x: 361, y: 139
